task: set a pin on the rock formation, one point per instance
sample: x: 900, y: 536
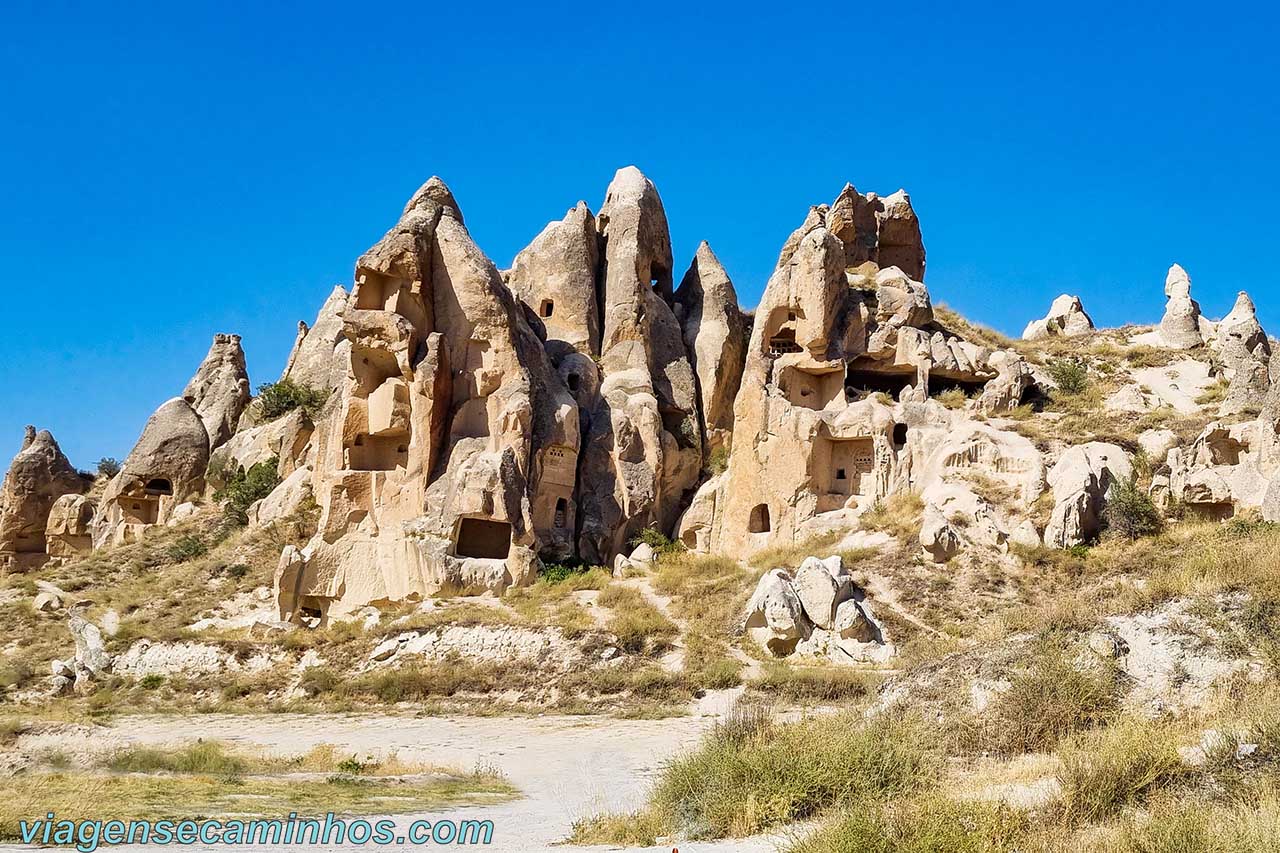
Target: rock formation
x: 556, y: 278
x: 165, y: 468
x: 1066, y: 319
x: 320, y: 353
x: 818, y: 436
x: 1182, y: 326
x: 219, y: 391
x: 816, y: 612
x: 39, y: 475
x: 69, y: 531
x: 885, y: 231
x: 1081, y: 481
x: 448, y: 460
x: 715, y: 337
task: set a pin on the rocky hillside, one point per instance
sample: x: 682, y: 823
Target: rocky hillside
x: 501, y: 465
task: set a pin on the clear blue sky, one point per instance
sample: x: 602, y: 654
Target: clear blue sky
x: 171, y: 171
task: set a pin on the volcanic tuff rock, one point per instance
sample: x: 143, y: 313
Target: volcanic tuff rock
x: 165, y: 468
x: 1066, y: 318
x: 715, y: 337
x: 37, y: 477
x: 447, y: 462
x: 1182, y: 327
x: 320, y: 352
x: 219, y: 391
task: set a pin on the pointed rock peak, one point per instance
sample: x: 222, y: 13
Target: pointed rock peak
x: 436, y: 191
x: 1177, y: 282
x: 707, y: 277
x: 1244, y: 306
x: 847, y: 195
x: 28, y: 436
x: 704, y: 255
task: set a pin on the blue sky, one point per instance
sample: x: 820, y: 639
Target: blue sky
x: 171, y: 171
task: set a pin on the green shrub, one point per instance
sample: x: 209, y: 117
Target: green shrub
x: 280, y: 398
x: 1069, y: 374
x: 108, y: 466
x: 1130, y: 512
x: 151, y: 681
x: 556, y: 572
x: 186, y: 548
x: 245, y: 487
x: 718, y: 461
x: 203, y: 757
x: 657, y: 540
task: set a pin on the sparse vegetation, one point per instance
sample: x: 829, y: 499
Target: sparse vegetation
x: 108, y: 466
x: 280, y: 398
x: 1071, y: 375
x: 1130, y: 512
x: 245, y: 487
x: 745, y: 779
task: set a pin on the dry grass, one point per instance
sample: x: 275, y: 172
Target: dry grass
x: 639, y: 626
x: 899, y: 515
x: 206, y: 779
x: 749, y: 777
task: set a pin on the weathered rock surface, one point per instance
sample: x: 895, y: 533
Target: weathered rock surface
x: 321, y: 352
x: 69, y: 531
x: 817, y: 612
x: 555, y: 276
x: 1081, y: 481
x: 1066, y: 319
x: 38, y: 476
x: 165, y: 468
x: 715, y: 337
x: 447, y: 461
x: 1181, y: 326
x: 219, y: 391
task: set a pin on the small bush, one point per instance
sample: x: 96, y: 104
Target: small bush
x: 826, y: 683
x: 718, y: 461
x: 1130, y: 512
x: 953, y: 398
x: 1069, y: 374
x: 280, y: 398
x: 186, y: 548
x: 108, y: 466
x: 246, y: 487
x: 738, y: 784
x: 556, y: 572
x: 151, y: 681
x: 657, y: 540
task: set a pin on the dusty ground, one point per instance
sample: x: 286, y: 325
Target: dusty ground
x: 566, y: 767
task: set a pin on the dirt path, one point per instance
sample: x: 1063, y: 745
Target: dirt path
x: 566, y: 767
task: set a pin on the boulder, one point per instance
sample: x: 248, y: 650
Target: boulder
x: 1157, y: 443
x: 937, y: 536
x: 46, y: 602
x: 219, y: 391
x: 1066, y: 318
x: 1081, y: 481
x: 91, y: 653
x: 819, y: 589
x: 38, y: 476
x: 775, y: 617
x: 1240, y: 338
